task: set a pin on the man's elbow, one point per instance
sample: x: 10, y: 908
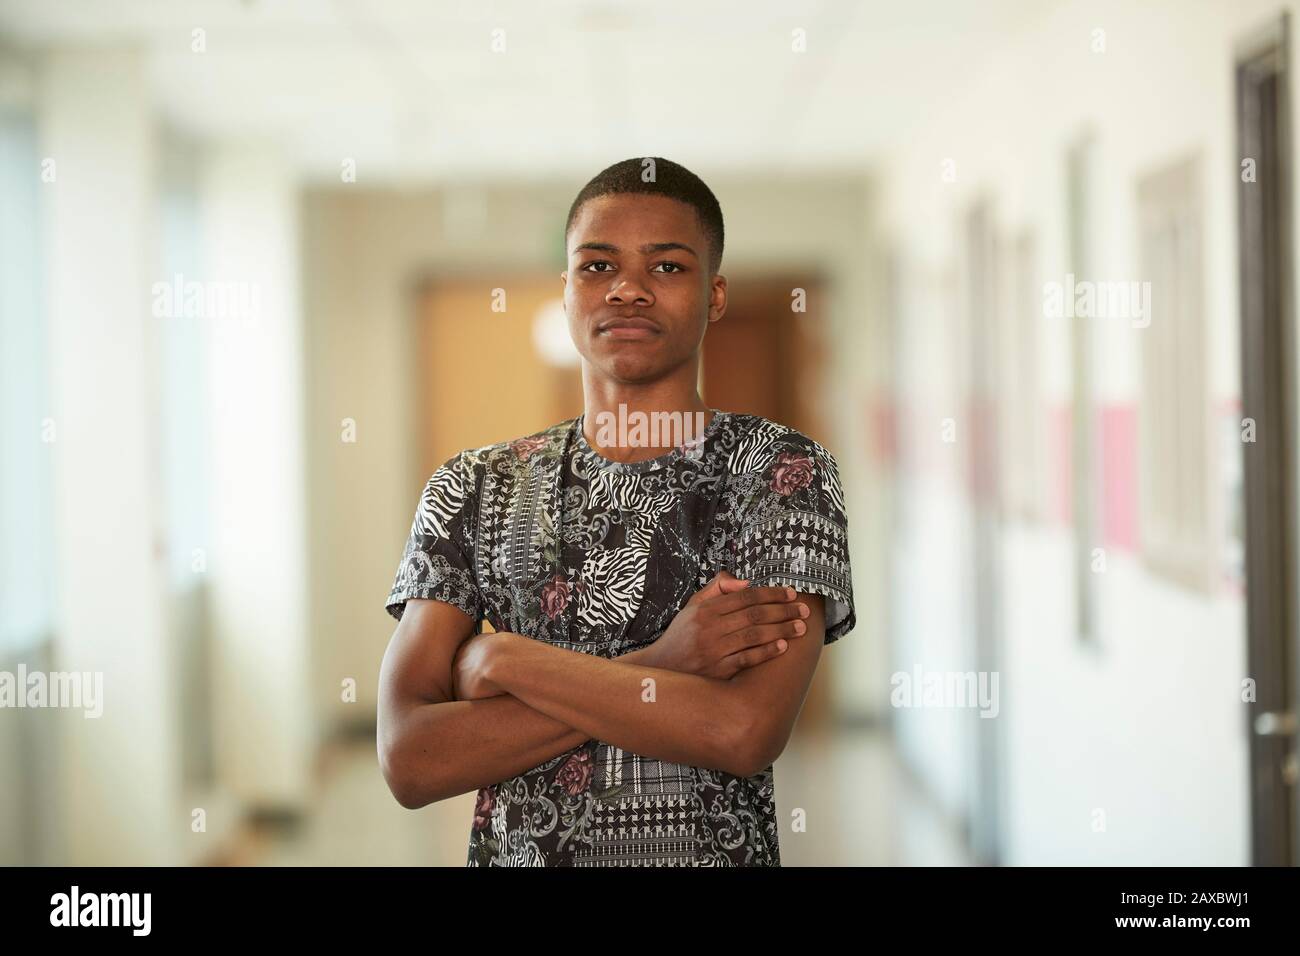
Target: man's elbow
x: 401, y: 782
x: 752, y: 760
x: 409, y: 799
x: 753, y: 747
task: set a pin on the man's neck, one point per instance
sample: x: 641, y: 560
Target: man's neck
x: 628, y: 425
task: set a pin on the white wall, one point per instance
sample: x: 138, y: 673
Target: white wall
x: 120, y: 789
x: 258, y: 564
x: 1149, y: 727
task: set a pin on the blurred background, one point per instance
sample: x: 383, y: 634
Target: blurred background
x: 253, y: 258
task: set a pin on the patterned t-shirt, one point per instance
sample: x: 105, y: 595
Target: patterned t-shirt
x: 606, y: 574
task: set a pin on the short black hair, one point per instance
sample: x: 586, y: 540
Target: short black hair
x: 656, y: 176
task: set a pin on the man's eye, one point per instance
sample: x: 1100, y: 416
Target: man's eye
x: 675, y: 266
x: 598, y: 262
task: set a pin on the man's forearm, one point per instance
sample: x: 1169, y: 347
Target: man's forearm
x: 457, y: 747
x: 682, y: 718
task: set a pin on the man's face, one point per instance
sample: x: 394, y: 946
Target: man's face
x: 638, y: 293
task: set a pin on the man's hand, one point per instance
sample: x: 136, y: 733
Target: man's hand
x: 467, y: 680
x: 727, y: 626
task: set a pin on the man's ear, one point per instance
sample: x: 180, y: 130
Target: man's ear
x: 718, y: 290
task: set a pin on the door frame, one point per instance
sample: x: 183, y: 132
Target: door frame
x: 1268, y: 361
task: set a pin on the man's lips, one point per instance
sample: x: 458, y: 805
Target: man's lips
x: 632, y: 327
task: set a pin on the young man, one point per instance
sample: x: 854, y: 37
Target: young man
x: 659, y: 606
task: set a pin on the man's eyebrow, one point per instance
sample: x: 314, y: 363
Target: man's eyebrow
x: 647, y: 249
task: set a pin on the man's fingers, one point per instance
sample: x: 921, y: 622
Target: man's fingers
x: 728, y: 583
x: 712, y: 589
x: 724, y: 582
x: 761, y: 614
x: 747, y: 596
x: 756, y: 655
x: 756, y: 635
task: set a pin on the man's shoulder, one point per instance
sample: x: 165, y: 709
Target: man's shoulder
x: 758, y: 442
x: 532, y: 447
x: 772, y: 463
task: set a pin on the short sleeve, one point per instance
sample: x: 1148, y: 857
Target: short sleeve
x: 794, y: 529
x: 437, y: 562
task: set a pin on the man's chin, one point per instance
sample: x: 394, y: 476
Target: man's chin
x: 631, y: 371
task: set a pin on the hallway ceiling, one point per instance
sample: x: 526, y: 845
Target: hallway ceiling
x: 413, y: 91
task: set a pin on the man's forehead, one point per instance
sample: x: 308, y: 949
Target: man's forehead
x: 605, y: 221
x: 617, y: 207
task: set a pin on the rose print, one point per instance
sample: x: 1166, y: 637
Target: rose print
x: 487, y: 798
x: 694, y: 448
x: 523, y: 447
x: 791, y: 473
x: 555, y: 596
x: 575, y: 775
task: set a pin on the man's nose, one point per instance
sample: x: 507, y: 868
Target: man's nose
x: 629, y: 291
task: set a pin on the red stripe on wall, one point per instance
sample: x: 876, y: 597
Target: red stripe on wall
x: 880, y: 415
x: 1119, y: 507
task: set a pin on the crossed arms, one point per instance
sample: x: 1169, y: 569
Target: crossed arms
x: 458, y: 711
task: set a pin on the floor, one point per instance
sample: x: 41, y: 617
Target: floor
x: 859, y: 809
